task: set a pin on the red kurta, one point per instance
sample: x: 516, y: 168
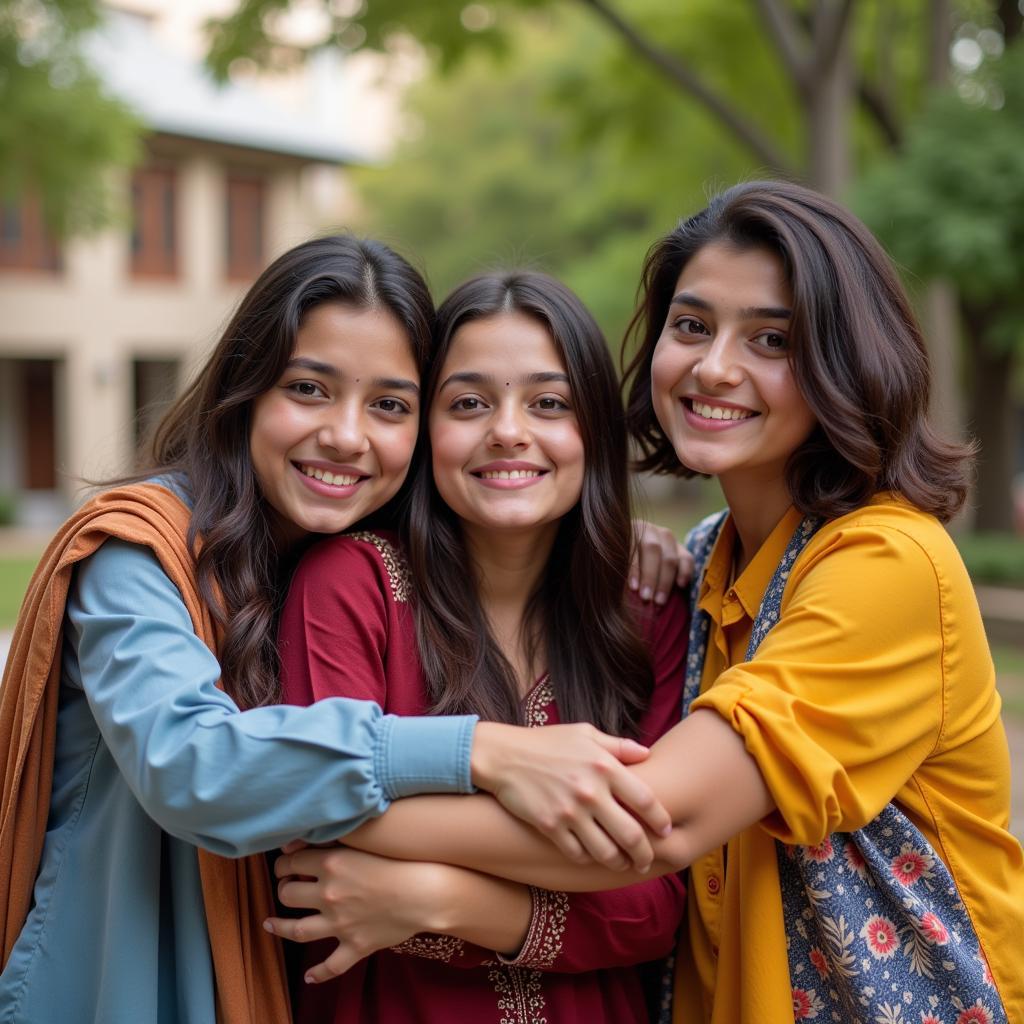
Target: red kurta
x: 347, y: 630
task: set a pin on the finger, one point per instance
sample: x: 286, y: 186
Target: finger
x: 600, y: 847
x: 649, y: 556
x: 638, y: 798
x: 294, y: 846
x: 300, y: 895
x: 307, y: 861
x: 622, y: 749
x: 667, y: 574
x: 300, y: 929
x: 686, y: 566
x: 569, y: 845
x: 335, y: 965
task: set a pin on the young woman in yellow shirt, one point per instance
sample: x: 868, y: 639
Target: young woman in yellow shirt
x: 842, y: 736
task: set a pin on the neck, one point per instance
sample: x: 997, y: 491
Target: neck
x: 756, y: 507
x: 508, y: 565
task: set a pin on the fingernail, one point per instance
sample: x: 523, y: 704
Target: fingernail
x: 660, y: 598
x: 633, y: 583
x: 645, y: 594
x: 309, y: 979
x: 666, y: 831
x: 268, y: 926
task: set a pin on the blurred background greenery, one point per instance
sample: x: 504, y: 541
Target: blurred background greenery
x: 569, y: 134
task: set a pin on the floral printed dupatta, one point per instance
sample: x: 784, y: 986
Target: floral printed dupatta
x: 876, y: 931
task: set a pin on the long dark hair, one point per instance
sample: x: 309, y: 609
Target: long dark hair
x: 855, y: 347
x: 598, y: 667
x: 204, y: 436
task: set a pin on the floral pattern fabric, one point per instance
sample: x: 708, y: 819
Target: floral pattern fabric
x: 876, y: 931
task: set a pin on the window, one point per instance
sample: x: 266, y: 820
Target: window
x: 155, y: 384
x: 243, y: 227
x: 25, y: 242
x: 154, y: 242
x: 39, y: 418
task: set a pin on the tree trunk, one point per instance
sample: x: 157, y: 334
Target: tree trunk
x: 939, y: 313
x: 992, y: 425
x: 828, y: 101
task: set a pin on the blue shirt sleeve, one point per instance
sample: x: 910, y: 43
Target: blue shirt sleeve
x: 235, y: 782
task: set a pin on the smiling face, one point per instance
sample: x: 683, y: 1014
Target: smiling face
x: 721, y: 380
x: 331, y: 441
x: 507, y: 450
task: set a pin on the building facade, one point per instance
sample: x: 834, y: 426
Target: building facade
x: 98, y: 334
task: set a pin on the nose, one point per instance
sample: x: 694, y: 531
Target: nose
x: 509, y: 428
x: 343, y: 429
x: 721, y: 362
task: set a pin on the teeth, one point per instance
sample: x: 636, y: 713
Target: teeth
x: 509, y: 474
x: 335, y: 479
x: 717, y: 412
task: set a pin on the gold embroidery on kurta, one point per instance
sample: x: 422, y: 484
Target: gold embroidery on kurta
x: 399, y: 574
x: 431, y: 947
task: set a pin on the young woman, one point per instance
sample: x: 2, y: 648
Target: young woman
x: 514, y: 609
x: 844, y: 737
x: 129, y: 774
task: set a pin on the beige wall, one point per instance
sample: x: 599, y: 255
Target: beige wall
x: 97, y: 318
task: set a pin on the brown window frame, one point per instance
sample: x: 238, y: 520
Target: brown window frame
x: 245, y: 225
x: 155, y: 232
x: 25, y: 241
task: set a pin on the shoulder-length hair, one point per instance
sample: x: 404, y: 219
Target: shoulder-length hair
x: 855, y: 348
x: 577, y: 618
x: 204, y: 436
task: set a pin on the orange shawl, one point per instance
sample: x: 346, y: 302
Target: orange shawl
x: 247, y: 961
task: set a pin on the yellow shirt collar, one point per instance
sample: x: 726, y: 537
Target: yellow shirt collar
x: 753, y: 581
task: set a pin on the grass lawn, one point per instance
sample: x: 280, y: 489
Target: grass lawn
x: 1010, y: 678
x: 15, y: 572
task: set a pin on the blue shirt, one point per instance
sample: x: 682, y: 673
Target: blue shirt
x: 152, y: 760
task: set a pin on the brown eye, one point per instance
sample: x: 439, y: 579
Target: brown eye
x: 690, y: 326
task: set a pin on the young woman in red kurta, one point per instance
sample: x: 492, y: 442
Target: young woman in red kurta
x: 520, y: 543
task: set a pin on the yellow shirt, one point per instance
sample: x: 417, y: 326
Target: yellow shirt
x: 875, y: 685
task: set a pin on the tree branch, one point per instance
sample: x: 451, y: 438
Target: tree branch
x: 790, y: 40
x: 685, y: 80
x: 877, y: 104
x: 835, y: 19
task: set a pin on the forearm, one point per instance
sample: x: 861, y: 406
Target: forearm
x: 699, y: 770
x: 477, y: 833
x: 490, y: 912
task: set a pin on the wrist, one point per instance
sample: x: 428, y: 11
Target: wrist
x: 485, y: 756
x: 438, y: 901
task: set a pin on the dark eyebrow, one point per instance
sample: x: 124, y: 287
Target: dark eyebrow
x: 747, y: 313
x: 548, y: 377
x: 326, y: 370
x: 313, y: 365
x: 396, y: 384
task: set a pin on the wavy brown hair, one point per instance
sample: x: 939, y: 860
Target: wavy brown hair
x: 578, y: 616
x: 203, y: 440
x: 855, y: 347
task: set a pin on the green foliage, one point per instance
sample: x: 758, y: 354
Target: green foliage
x: 541, y: 160
x: 952, y: 204
x: 59, y: 132
x: 993, y: 557
x: 451, y: 28
x: 14, y: 576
